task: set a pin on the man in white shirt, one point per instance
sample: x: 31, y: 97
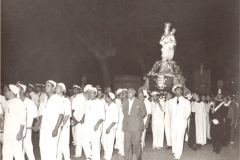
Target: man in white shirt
x: 143, y: 95
x: 167, y: 122
x: 157, y: 121
x: 41, y: 95
x: 78, y: 118
x: 32, y: 113
x: 34, y: 97
x: 94, y: 115
x: 119, y: 143
x: 179, y: 110
x: 14, y: 124
x: 109, y: 126
x: 63, y: 144
x: 51, y: 119
x: 75, y: 106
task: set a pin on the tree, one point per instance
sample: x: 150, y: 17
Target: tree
x: 101, y: 52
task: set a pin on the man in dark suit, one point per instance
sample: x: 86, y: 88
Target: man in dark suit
x: 134, y: 111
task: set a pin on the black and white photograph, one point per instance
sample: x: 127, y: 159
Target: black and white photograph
x: 120, y: 80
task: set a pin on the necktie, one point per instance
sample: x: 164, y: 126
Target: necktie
x: 177, y: 100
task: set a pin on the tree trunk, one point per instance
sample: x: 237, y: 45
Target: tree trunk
x: 105, y: 73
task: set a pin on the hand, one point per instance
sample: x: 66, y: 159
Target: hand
x: 108, y: 131
x: 36, y: 128
x: 54, y: 133
x: 146, y: 125
x: 19, y: 136
x: 82, y: 121
x: 96, y: 127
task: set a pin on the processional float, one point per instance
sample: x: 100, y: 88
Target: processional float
x: 165, y: 73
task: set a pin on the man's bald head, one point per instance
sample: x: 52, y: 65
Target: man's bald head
x: 131, y: 93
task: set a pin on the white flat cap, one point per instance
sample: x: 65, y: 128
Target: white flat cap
x: 154, y: 93
x: 92, y: 89
x: 189, y: 96
x: 24, y: 87
x: 124, y: 89
x: 31, y: 85
x: 111, y: 95
x: 119, y: 91
x: 76, y: 86
x: 52, y: 82
x: 176, y: 86
x: 63, y: 87
x: 14, y: 89
x: 86, y: 88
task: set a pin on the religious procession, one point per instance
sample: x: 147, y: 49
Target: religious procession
x: 97, y: 121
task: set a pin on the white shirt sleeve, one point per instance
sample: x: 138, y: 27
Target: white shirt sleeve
x: 67, y: 107
x: 33, y: 110
x: 148, y: 107
x: 22, y: 115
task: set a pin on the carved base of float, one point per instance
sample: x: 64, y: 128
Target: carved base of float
x: 163, y: 76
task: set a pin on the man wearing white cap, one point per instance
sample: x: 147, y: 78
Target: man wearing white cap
x: 94, y: 115
x: 63, y: 144
x: 157, y: 121
x: 143, y: 95
x: 179, y: 110
x: 167, y: 122
x: 119, y: 143
x: 33, y: 95
x: 109, y: 126
x: 52, y: 117
x: 75, y: 106
x: 14, y: 124
x: 32, y: 113
x: 78, y: 116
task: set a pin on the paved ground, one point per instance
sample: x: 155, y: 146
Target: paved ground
x: 228, y: 153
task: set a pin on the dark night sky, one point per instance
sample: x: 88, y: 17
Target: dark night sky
x: 40, y: 38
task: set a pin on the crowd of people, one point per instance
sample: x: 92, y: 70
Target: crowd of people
x: 102, y: 119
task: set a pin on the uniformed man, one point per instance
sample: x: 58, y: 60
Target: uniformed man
x: 32, y: 113
x: 179, y: 110
x: 78, y: 118
x: 143, y: 95
x: 34, y: 97
x: 94, y: 115
x: 119, y: 143
x: 76, y: 92
x: 109, y: 125
x: 157, y: 121
x: 51, y: 119
x: 167, y: 121
x: 63, y: 145
x: 14, y: 124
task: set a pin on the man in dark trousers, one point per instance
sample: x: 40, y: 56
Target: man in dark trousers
x: 134, y: 111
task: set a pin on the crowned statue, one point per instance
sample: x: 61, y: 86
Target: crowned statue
x: 168, y: 43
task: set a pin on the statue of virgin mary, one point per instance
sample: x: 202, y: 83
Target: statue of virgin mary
x: 168, y: 43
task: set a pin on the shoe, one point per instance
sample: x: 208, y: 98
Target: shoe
x: 177, y: 157
x: 168, y: 148
x: 158, y: 148
x: 232, y: 142
x: 217, y: 152
x: 154, y: 147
